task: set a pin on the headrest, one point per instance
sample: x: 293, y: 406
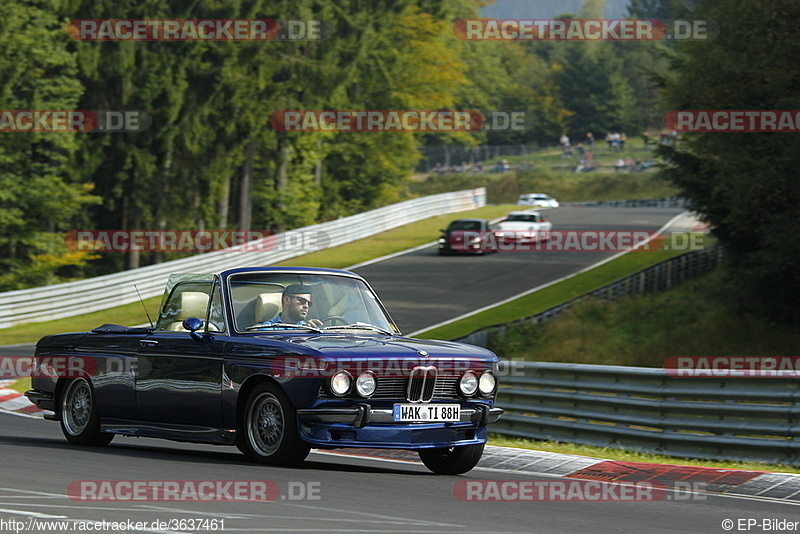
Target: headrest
x: 267, y: 306
x: 193, y: 304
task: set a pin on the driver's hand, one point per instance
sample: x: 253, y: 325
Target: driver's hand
x: 316, y: 323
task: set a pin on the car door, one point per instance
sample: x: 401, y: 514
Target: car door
x: 179, y: 373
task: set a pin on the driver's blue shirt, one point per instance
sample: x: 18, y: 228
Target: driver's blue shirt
x: 278, y: 319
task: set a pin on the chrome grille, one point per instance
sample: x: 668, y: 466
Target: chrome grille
x: 445, y: 387
x: 421, y: 384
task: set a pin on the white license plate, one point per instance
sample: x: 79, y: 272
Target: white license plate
x: 436, y: 413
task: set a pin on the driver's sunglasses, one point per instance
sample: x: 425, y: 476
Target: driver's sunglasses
x: 302, y: 300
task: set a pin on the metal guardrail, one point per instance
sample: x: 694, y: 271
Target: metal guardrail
x: 656, y: 278
x: 95, y: 294
x: 646, y: 409
x: 669, y: 202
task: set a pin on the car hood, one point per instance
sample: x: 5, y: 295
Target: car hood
x: 354, y: 346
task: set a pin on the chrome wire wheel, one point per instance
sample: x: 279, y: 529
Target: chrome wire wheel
x: 76, y: 407
x: 266, y: 424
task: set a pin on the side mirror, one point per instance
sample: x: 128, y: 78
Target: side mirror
x: 193, y: 324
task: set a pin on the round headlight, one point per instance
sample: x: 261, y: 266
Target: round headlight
x: 487, y: 383
x: 468, y: 383
x: 366, y: 384
x: 340, y: 383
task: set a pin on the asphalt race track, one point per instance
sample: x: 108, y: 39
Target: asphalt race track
x: 338, y: 493
x: 348, y: 494
x: 422, y: 288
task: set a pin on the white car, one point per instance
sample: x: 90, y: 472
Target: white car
x: 529, y: 225
x: 537, y: 200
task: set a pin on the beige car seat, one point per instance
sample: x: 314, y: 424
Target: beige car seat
x: 267, y: 307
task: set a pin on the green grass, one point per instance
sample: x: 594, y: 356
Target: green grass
x: 387, y: 242
x: 396, y: 240
x: 22, y: 385
x: 128, y: 314
x: 552, y: 295
x: 696, y: 318
x: 565, y: 186
x: 622, y: 455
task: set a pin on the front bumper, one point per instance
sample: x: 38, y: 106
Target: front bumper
x: 42, y: 399
x: 364, y: 426
x: 362, y: 415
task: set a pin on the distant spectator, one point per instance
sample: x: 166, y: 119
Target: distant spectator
x: 646, y: 139
x: 622, y: 139
x: 620, y: 165
x: 589, y: 140
x: 566, y: 149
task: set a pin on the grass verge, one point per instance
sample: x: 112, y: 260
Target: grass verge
x: 696, y: 318
x: 564, y: 185
x: 621, y: 455
x: 395, y: 240
x: 553, y: 295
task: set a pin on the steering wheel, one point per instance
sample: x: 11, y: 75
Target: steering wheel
x: 334, y: 320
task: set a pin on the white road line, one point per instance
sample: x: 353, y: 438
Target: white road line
x: 389, y: 256
x: 32, y: 514
x: 548, y: 284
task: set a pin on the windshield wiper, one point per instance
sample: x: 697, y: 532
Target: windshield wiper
x: 361, y: 326
x: 285, y: 325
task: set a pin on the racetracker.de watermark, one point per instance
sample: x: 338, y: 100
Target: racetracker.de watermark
x: 584, y: 30
x: 194, y: 240
x: 398, y: 121
x: 313, y: 367
x: 729, y: 120
x: 193, y: 490
x: 55, y: 367
x: 198, y: 30
x: 733, y: 366
x: 576, y: 241
x: 42, y: 120
x: 574, y: 491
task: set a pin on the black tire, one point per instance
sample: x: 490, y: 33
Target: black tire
x: 268, y: 431
x: 80, y: 418
x: 452, y: 460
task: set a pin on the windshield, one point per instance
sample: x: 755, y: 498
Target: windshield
x: 266, y: 302
x: 464, y: 225
x: 521, y: 218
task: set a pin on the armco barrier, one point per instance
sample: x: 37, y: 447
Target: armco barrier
x: 102, y: 292
x: 669, y: 202
x: 656, y: 278
x: 649, y: 410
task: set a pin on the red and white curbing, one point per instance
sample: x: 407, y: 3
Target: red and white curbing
x: 734, y: 482
x: 759, y: 484
x: 16, y: 403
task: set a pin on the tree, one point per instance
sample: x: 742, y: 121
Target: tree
x: 745, y: 184
x: 41, y: 192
